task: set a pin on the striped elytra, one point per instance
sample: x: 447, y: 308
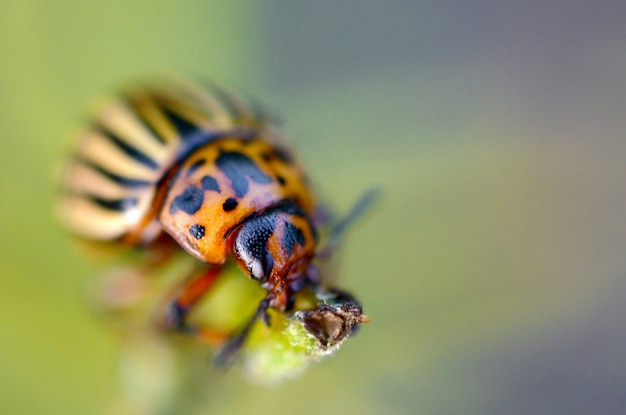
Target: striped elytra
x: 135, y: 144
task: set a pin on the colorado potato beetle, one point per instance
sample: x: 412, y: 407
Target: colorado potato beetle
x: 207, y: 171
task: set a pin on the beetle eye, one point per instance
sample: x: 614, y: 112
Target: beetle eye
x: 250, y: 245
x: 256, y: 269
x: 259, y: 266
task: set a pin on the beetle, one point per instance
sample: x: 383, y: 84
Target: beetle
x: 207, y: 171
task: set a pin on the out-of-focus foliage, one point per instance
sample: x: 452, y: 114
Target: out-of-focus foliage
x: 493, y: 271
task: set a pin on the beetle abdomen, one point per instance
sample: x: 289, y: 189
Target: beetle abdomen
x: 112, y: 181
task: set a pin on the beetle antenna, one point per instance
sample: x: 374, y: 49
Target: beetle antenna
x: 226, y: 356
x: 339, y: 229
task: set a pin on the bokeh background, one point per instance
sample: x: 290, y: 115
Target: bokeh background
x: 495, y: 267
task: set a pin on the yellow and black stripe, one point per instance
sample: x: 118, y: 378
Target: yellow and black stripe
x: 111, y: 181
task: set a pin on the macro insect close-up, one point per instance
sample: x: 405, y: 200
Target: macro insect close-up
x: 176, y: 164
x: 191, y: 221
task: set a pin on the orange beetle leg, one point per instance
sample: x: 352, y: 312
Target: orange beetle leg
x: 184, y: 301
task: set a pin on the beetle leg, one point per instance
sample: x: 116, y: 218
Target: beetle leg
x: 226, y: 355
x: 184, y: 301
x: 278, y: 298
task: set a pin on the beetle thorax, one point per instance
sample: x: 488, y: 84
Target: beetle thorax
x: 220, y: 186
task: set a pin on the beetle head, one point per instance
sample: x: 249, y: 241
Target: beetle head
x: 275, y: 246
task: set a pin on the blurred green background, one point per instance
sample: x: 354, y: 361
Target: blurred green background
x: 494, y: 268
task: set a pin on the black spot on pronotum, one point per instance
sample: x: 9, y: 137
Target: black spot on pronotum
x: 230, y: 204
x: 292, y: 236
x: 209, y: 183
x: 197, y: 231
x: 283, y: 155
x: 190, y: 201
x: 281, y: 180
x: 239, y: 168
x: 267, y: 157
x: 195, y: 166
x: 292, y: 209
